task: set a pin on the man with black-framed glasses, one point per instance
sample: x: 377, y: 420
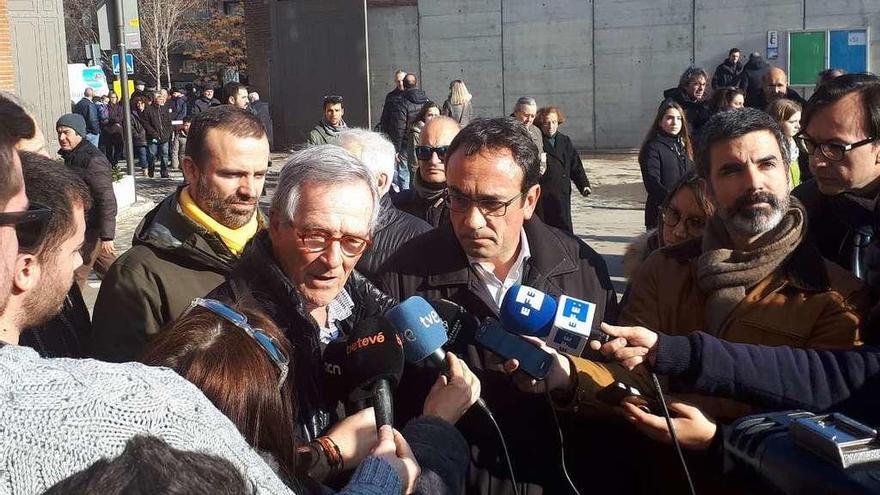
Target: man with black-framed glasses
x: 841, y: 135
x: 494, y: 240
x: 424, y: 198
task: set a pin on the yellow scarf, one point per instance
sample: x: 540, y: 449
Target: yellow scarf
x: 235, y: 239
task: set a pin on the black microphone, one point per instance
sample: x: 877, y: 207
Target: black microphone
x: 374, y: 354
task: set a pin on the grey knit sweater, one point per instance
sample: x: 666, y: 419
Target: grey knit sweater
x: 58, y: 416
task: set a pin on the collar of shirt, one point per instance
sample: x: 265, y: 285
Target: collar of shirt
x: 486, y: 272
x: 340, y: 308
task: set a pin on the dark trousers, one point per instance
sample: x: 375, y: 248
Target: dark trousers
x: 143, y: 156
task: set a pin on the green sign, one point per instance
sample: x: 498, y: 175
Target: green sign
x: 806, y: 57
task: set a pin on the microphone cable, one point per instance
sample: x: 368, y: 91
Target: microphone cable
x: 485, y: 408
x: 561, y: 443
x: 675, y: 443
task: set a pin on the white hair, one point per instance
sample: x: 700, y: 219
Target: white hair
x: 374, y: 150
x: 254, y: 96
x: 325, y: 164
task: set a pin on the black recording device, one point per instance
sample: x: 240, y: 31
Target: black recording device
x: 801, y: 452
x: 532, y: 360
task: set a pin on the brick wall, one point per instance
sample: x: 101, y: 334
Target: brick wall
x: 7, y: 71
x: 258, y: 34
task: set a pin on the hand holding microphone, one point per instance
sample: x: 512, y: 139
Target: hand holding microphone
x: 453, y: 393
x: 633, y: 345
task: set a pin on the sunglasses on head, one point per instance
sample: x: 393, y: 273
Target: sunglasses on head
x: 424, y: 152
x: 29, y: 225
x: 269, y: 344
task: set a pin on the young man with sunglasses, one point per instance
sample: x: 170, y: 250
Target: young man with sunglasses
x: 494, y: 240
x: 425, y: 197
x: 331, y: 124
x: 841, y: 135
x: 187, y: 244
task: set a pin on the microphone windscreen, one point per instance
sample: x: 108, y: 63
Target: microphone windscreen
x: 373, y: 351
x: 527, y: 311
x: 419, y: 325
x: 461, y: 326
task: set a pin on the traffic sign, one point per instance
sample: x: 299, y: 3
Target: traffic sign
x: 129, y: 64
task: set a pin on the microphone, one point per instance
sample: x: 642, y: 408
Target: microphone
x: 461, y: 326
x: 566, y: 324
x: 374, y: 353
x: 424, y: 332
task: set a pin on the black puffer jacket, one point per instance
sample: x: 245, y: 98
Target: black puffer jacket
x: 663, y: 161
x: 394, y: 229
x: 259, y: 281
x: 697, y: 112
x: 406, y: 107
x: 95, y: 170
x: 728, y: 75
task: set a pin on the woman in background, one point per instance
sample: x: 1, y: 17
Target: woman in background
x: 788, y: 114
x: 564, y: 166
x: 666, y: 155
x: 458, y: 105
x: 725, y: 99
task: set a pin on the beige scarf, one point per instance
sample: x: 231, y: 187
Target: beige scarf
x: 724, y: 275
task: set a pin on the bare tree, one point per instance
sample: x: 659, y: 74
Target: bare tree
x: 80, y: 26
x: 163, y: 27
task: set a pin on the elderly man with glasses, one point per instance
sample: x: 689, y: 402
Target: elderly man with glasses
x: 493, y: 242
x: 841, y: 134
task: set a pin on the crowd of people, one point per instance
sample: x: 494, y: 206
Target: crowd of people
x: 225, y: 338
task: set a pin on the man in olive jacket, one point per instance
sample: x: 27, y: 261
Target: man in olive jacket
x: 187, y: 245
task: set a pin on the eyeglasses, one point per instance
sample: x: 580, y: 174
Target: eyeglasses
x: 832, y: 151
x: 487, y: 207
x: 694, y: 226
x: 424, y: 152
x: 317, y: 241
x: 29, y: 225
x: 333, y: 99
x: 270, y: 345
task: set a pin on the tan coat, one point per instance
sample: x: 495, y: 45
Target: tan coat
x: 807, y: 302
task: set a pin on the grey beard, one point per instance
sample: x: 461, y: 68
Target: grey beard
x: 755, y: 222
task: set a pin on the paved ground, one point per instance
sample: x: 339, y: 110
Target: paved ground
x: 606, y: 220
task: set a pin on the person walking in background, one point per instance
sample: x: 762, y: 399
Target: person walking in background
x: 787, y: 114
x: 404, y: 112
x: 89, y: 111
x: 205, y: 101
x: 458, y: 104
x: 93, y: 168
x: 157, y: 124
x: 111, y: 130
x: 428, y: 112
x: 755, y: 70
x: 665, y: 156
x: 385, y: 121
x: 178, y: 145
x: 564, y: 166
x: 139, y: 133
x: 261, y: 109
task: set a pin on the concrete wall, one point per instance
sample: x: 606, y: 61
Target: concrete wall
x: 394, y: 44
x: 40, y: 60
x: 606, y: 62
